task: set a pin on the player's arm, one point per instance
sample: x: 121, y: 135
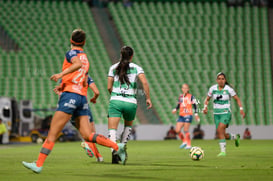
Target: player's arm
x: 96, y: 92
x: 205, y: 110
x: 240, y: 105
x: 175, y: 109
x: 194, y: 104
x: 76, y: 64
x: 110, y: 84
x: 146, y: 88
x: 58, y: 88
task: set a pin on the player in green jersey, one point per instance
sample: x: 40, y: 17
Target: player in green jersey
x: 122, y: 85
x: 221, y: 94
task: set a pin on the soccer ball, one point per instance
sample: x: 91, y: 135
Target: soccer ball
x: 39, y: 140
x: 196, y: 153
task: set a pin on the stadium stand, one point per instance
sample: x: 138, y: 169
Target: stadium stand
x: 42, y: 30
x: 174, y: 43
x: 192, y: 42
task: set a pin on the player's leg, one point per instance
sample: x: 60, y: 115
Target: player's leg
x: 220, y: 131
x: 57, y: 124
x: 235, y: 137
x: 100, y: 139
x: 125, y: 136
x: 89, y: 147
x: 112, y: 128
x: 112, y: 135
x: 114, y: 116
x: 178, y: 127
x: 187, y: 123
x: 223, y: 120
x: 129, y: 113
x: 187, y: 135
x: 222, y: 141
x: 96, y: 151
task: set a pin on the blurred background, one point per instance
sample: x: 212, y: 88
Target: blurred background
x: 175, y: 41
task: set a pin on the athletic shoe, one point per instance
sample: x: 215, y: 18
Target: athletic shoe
x: 32, y: 166
x: 115, y: 158
x: 187, y: 147
x: 237, y: 140
x: 221, y: 154
x: 183, y: 145
x: 122, y: 153
x: 87, y: 149
x: 100, y: 159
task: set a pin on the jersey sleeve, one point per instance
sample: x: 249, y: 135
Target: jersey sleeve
x: 232, y: 92
x: 111, y: 72
x: 90, y: 80
x: 139, y: 70
x: 210, y: 92
x: 70, y: 54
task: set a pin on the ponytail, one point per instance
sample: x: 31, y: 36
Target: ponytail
x: 122, y: 68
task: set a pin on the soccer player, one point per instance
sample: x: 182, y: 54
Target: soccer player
x: 89, y: 147
x: 72, y: 102
x: 186, y: 102
x: 122, y: 85
x: 221, y: 94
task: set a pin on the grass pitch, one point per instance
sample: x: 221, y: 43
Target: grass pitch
x: 148, y: 160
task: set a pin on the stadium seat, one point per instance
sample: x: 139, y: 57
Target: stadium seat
x: 192, y: 42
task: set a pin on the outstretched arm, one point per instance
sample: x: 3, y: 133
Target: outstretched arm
x: 76, y: 64
x: 146, y: 88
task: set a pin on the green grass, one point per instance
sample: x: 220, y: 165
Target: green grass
x: 148, y: 160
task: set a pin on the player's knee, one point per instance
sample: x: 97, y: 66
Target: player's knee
x: 177, y: 131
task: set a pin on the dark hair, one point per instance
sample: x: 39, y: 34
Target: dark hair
x: 123, y: 66
x: 78, y: 37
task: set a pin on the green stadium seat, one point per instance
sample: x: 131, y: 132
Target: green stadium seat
x: 193, y: 42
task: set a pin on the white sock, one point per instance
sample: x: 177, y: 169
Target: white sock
x: 232, y: 136
x: 222, y: 146
x: 126, y: 134
x: 112, y: 135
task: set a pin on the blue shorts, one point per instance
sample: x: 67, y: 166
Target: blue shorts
x: 184, y: 119
x: 74, y: 104
x: 90, y: 117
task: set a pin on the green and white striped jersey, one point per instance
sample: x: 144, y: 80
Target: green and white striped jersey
x: 123, y: 92
x: 221, y: 98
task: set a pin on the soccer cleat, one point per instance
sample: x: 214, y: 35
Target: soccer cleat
x: 187, y: 147
x: 100, y: 159
x: 115, y: 158
x: 183, y: 145
x: 122, y: 153
x: 87, y: 149
x: 221, y: 154
x: 237, y: 140
x: 32, y: 166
